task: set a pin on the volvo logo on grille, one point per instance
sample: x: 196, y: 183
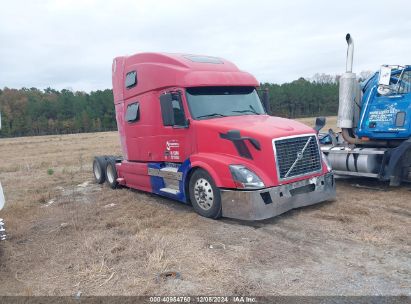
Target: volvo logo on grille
x: 299, y: 157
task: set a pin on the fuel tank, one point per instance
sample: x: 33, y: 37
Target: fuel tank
x: 361, y: 160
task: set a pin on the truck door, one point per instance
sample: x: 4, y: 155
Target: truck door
x: 175, y: 140
x: 389, y: 112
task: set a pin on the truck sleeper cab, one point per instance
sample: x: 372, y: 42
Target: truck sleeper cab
x: 192, y: 128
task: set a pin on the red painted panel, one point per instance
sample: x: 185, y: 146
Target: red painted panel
x: 159, y: 70
x: 263, y: 128
x: 135, y: 175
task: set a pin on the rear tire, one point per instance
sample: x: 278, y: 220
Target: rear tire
x: 111, y: 174
x: 204, y: 195
x: 99, y: 166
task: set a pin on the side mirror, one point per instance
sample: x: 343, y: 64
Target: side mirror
x: 385, y: 76
x: 167, y: 111
x: 319, y: 123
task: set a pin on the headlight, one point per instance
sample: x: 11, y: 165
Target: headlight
x: 245, y: 178
x: 327, y: 163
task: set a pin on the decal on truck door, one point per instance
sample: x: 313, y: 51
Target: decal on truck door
x: 384, y: 115
x: 172, y: 149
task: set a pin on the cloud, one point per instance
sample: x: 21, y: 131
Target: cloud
x: 72, y: 43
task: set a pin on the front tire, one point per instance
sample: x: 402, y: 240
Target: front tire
x: 204, y: 195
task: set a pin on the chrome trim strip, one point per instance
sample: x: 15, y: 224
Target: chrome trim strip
x: 165, y: 174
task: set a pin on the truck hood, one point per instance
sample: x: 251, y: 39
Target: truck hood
x: 213, y: 144
x: 258, y: 126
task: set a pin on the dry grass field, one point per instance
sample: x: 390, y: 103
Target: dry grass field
x: 69, y: 235
x: 330, y: 123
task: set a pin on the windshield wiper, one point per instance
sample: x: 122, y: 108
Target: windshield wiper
x: 251, y: 110
x: 212, y: 115
x: 246, y: 111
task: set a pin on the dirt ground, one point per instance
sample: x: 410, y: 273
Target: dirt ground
x: 69, y: 235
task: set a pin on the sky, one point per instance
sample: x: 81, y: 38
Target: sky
x: 71, y: 44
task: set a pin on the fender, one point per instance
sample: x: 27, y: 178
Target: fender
x: 217, y: 165
x: 203, y: 165
x: 398, y: 158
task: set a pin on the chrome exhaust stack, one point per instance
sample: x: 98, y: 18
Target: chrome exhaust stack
x: 349, y: 92
x: 350, y: 100
x: 350, y: 53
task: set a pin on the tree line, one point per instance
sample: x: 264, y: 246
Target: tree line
x: 27, y: 112
x: 304, y: 98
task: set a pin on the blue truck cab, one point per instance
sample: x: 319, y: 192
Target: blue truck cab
x: 386, y: 104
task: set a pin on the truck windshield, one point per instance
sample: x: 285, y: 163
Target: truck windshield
x: 213, y: 102
x: 398, y: 83
x: 404, y: 82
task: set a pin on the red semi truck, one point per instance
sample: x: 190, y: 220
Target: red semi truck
x: 192, y: 128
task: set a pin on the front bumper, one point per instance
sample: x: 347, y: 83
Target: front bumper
x: 2, y: 230
x: 269, y: 202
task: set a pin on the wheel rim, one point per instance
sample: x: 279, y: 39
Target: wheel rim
x: 203, y: 194
x: 110, y: 174
x: 97, y: 171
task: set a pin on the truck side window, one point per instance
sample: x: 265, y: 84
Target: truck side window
x: 131, y: 79
x: 172, y: 110
x: 400, y: 83
x: 179, y: 117
x: 405, y: 83
x: 133, y: 112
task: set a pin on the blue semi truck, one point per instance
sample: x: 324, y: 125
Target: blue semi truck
x: 375, y: 121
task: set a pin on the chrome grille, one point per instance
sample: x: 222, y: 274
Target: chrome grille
x: 297, y: 156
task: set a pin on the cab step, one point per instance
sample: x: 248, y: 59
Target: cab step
x: 166, y: 172
x: 170, y: 190
x: 169, y: 169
